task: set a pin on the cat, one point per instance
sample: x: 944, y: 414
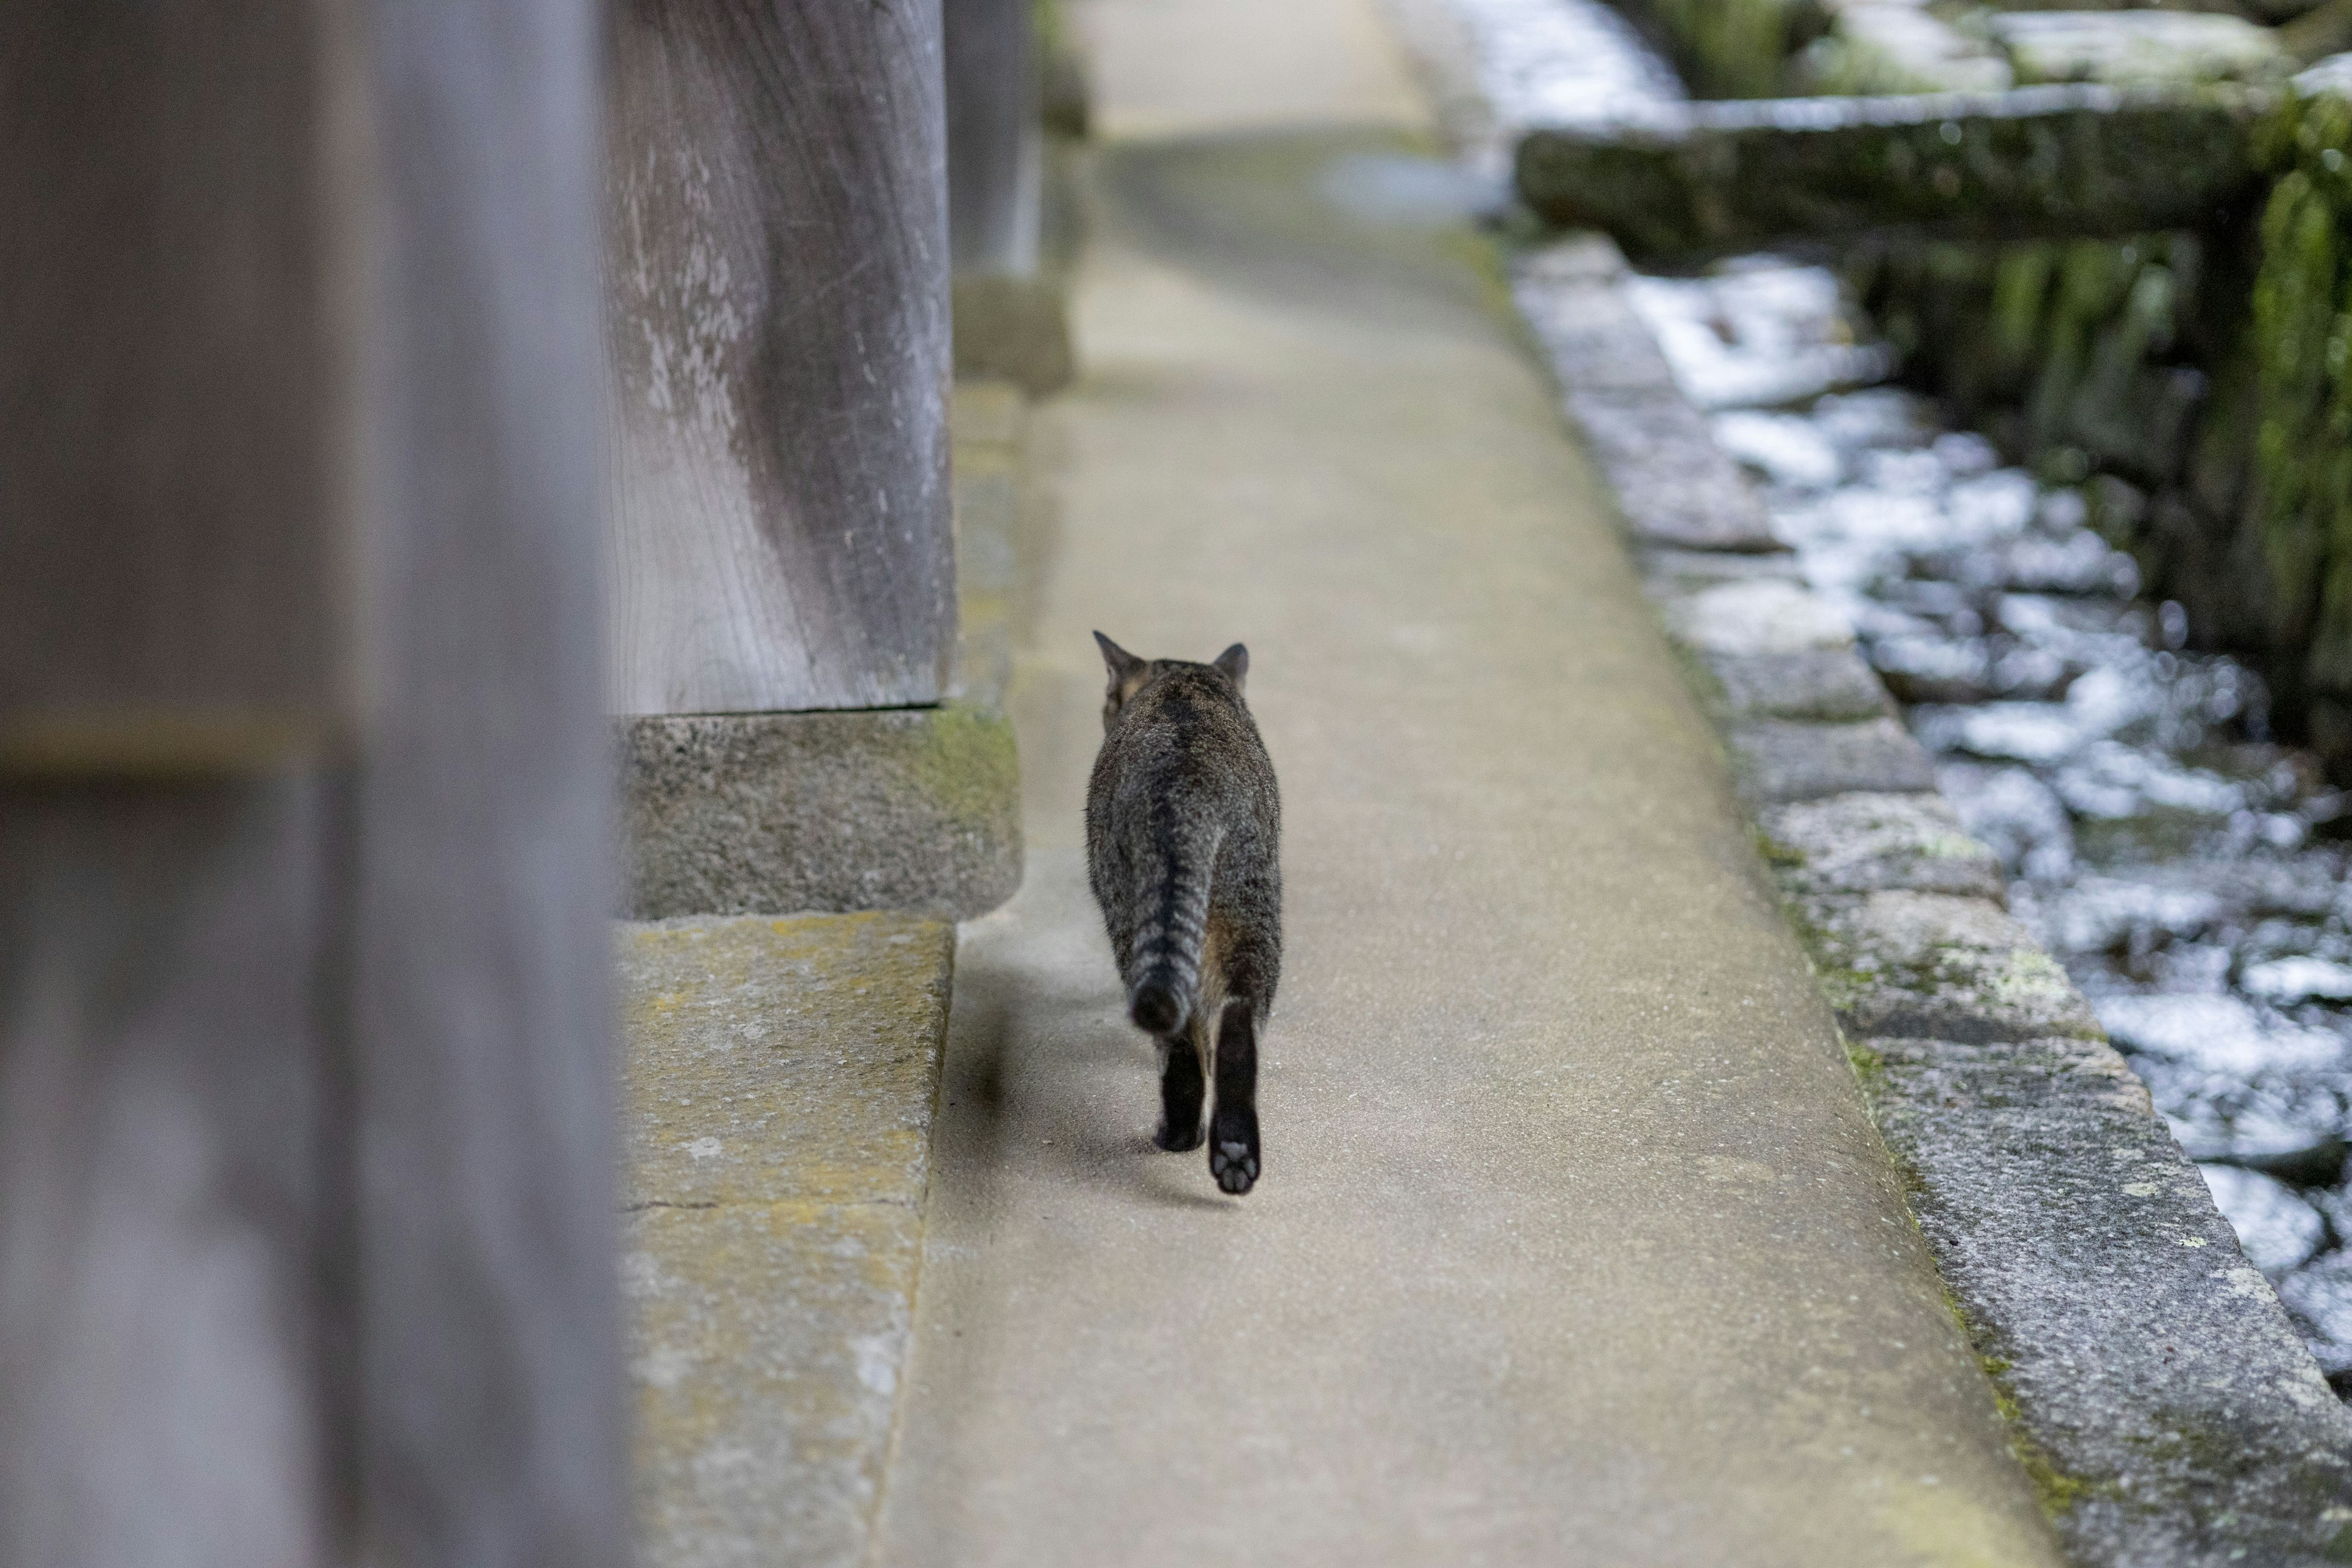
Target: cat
x: 1183, y: 828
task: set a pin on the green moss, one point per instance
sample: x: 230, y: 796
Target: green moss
x: 965, y: 762
x: 2059, y: 1491
x: 2301, y: 345
x: 1735, y: 48
x: 1777, y: 855
x: 1700, y: 677
x: 1484, y: 257
x: 1869, y: 1067
x: 1840, y: 985
x: 2020, y: 287
x: 2069, y: 348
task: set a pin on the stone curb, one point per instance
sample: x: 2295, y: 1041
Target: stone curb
x: 1675, y: 488
x: 781, y: 1079
x: 909, y: 808
x: 2158, y: 1397
x: 1015, y: 329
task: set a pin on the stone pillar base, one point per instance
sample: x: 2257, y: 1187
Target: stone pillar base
x: 916, y: 809
x: 1015, y: 328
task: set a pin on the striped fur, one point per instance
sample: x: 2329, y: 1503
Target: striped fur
x: 1163, y: 958
x: 1183, y: 822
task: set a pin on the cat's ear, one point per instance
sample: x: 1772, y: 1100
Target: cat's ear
x: 1122, y: 665
x: 1234, y: 665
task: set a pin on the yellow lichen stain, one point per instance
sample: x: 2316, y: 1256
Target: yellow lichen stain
x: 1950, y: 847
x: 2031, y: 974
x: 808, y: 1045
x: 1943, y: 1525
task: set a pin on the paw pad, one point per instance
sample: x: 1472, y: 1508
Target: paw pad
x: 1234, y: 1166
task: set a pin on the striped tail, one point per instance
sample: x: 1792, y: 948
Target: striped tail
x: 1163, y: 965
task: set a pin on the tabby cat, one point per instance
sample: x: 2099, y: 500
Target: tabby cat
x: 1182, y: 820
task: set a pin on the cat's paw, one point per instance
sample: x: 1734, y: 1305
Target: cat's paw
x: 1232, y: 1152
x: 1177, y: 1141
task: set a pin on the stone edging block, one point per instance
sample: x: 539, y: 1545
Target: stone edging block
x: 907, y: 808
x: 1674, y: 485
x: 1776, y: 760
x: 1949, y: 966
x: 2179, y: 1422
x: 781, y: 1076
x: 2159, y: 1399
x: 1015, y: 328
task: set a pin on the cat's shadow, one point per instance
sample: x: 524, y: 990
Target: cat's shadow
x: 1100, y: 1153
x: 1138, y: 1168
x: 1104, y: 1142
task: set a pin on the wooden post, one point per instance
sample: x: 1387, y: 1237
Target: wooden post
x: 494, y: 1427
x: 776, y: 265
x: 305, y: 1148
x: 778, y: 276
x: 995, y: 144
x: 1012, y: 320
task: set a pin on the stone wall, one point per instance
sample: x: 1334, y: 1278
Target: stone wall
x: 2202, y: 380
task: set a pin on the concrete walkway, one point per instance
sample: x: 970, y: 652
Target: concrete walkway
x: 1574, y: 1244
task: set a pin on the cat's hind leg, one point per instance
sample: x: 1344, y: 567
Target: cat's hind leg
x: 1234, y: 1155
x: 1181, y: 1091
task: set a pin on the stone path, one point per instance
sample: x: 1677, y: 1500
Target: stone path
x: 1575, y: 1243
x: 780, y: 1079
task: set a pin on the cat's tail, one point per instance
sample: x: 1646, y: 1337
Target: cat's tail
x: 1163, y: 965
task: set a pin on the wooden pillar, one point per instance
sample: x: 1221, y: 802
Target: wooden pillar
x: 782, y: 582
x: 995, y: 144
x: 486, y: 1193
x: 1012, y: 320
x: 778, y: 277
x: 305, y: 1148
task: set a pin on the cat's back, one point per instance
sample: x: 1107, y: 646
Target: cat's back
x: 1186, y: 734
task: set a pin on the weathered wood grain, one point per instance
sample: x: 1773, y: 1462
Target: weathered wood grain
x: 489, y: 1348
x: 777, y: 270
x: 306, y: 1126
x: 164, y: 1062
